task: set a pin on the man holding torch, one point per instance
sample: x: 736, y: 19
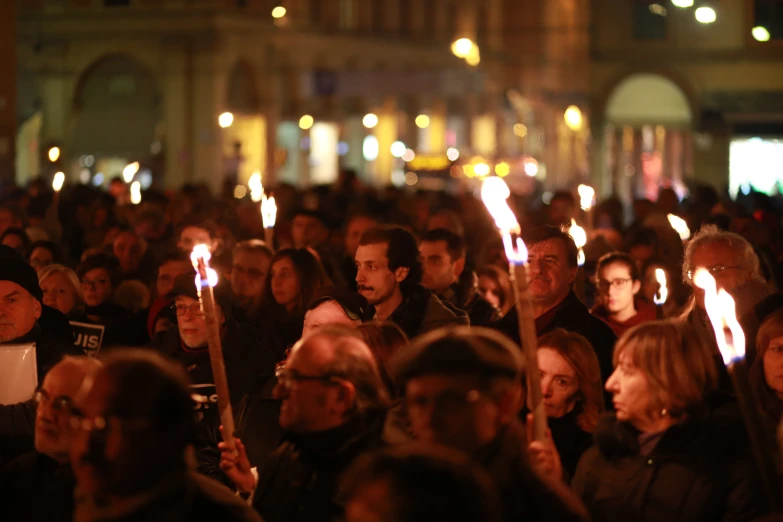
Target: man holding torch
x: 247, y: 362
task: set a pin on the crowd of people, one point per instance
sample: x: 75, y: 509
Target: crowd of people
x: 373, y: 359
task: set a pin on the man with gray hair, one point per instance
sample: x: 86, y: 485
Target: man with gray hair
x: 733, y: 263
x: 333, y: 409
x: 46, y: 472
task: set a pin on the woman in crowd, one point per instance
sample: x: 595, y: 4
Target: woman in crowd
x: 663, y: 455
x: 62, y: 290
x: 100, y: 275
x: 766, y: 374
x: 385, y: 339
x: 293, y: 278
x: 571, y: 386
x: 495, y: 287
x: 43, y: 254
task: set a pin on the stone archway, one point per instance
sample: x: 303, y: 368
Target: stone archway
x: 117, y: 111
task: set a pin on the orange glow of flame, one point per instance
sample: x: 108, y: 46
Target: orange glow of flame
x: 268, y: 211
x: 722, y: 313
x: 580, y: 257
x: 663, y: 292
x: 201, y: 251
x: 494, y: 193
x: 578, y: 234
x: 680, y: 226
x: 586, y: 197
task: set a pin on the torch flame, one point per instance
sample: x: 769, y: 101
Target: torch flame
x: 663, y: 292
x: 680, y: 226
x: 57, y: 182
x: 586, y: 197
x: 494, y: 193
x: 256, y: 187
x: 580, y: 257
x: 722, y: 313
x: 201, y: 252
x: 578, y: 234
x: 268, y: 211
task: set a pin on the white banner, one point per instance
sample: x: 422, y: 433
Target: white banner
x: 18, y: 373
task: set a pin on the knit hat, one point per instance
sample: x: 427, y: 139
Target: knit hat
x: 15, y: 269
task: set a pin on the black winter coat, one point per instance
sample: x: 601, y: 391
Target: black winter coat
x: 421, y: 312
x: 523, y: 494
x: 299, y: 482
x: 36, y: 488
x: 572, y: 315
x: 248, y: 364
x: 699, y: 471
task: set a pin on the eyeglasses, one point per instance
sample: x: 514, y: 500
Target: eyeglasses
x: 288, y: 377
x: 447, y: 400
x: 617, y: 284
x: 60, y: 404
x: 714, y: 270
x: 100, y: 424
x: 194, y: 308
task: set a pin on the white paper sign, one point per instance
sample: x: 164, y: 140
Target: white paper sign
x: 18, y: 373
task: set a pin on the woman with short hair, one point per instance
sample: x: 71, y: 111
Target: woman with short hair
x: 664, y: 454
x: 61, y: 289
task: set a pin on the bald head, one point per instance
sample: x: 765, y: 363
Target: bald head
x: 52, y: 417
x: 330, y: 377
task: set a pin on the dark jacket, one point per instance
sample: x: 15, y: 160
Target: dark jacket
x: 257, y: 422
x: 193, y: 498
x: 299, y: 482
x: 421, y: 312
x: 572, y: 315
x: 645, y: 312
x: 570, y: 440
x: 36, y: 488
x: 479, y: 310
x: 525, y: 496
x: 248, y: 364
x: 699, y: 470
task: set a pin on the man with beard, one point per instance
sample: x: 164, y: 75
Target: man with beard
x: 46, y: 472
x: 249, y: 268
x: 388, y: 276
x: 129, y: 452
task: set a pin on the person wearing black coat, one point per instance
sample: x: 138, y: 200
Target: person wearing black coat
x: 667, y: 453
x: 248, y: 363
x: 333, y: 406
x: 552, y: 268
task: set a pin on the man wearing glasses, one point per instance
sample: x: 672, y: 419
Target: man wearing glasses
x: 248, y: 362
x: 733, y: 263
x: 618, y: 283
x: 46, y: 472
x: 333, y: 409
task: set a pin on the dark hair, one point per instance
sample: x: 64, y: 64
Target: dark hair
x: 309, y: 272
x: 16, y: 211
x: 20, y: 233
x: 425, y: 484
x: 384, y: 339
x: 198, y: 222
x: 171, y: 256
x: 256, y: 246
x: 105, y: 261
x: 643, y: 237
x: 401, y: 250
x: 621, y: 258
x: 503, y: 281
x: 454, y: 243
x: 51, y: 246
x: 547, y: 232
x: 563, y: 195
x: 149, y: 386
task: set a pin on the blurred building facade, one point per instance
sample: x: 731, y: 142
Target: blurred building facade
x: 330, y: 84
x: 675, y: 100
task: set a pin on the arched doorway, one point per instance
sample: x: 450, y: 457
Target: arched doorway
x: 116, y: 119
x: 647, y: 141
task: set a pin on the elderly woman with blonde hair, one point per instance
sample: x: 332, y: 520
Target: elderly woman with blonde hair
x: 61, y: 290
x: 665, y: 454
